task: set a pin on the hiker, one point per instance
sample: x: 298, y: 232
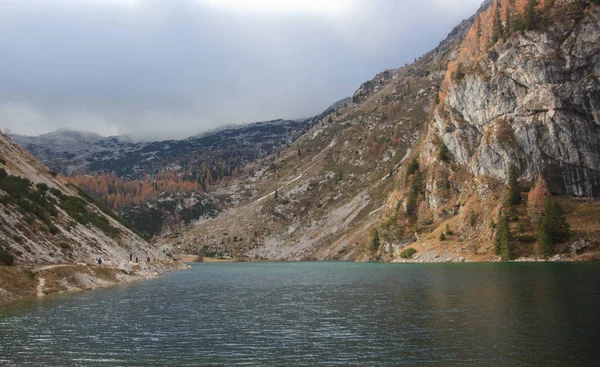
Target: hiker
x: 131, y: 256
x: 136, y: 259
x: 148, y: 259
x: 99, y: 261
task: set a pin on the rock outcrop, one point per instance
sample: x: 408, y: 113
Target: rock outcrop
x: 531, y: 101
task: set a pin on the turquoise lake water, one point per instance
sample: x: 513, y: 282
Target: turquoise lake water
x: 319, y: 314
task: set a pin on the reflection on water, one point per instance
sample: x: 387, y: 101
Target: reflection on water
x: 306, y: 314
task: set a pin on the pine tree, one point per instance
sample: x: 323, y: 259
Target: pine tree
x: 514, y: 188
x: 374, y: 239
x: 544, y: 238
x: 531, y: 16
x: 509, y: 22
x: 503, y: 243
x: 557, y: 221
x: 552, y: 229
x: 496, y: 25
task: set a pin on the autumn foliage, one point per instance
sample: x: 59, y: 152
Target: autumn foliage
x: 536, y: 200
x: 117, y: 193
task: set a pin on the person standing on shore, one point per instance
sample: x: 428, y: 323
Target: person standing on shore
x: 136, y: 259
x: 99, y: 262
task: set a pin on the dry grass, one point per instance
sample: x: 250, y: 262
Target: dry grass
x: 19, y: 282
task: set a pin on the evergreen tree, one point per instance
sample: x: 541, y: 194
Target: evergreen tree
x: 514, y: 189
x: 559, y: 227
x: 412, y: 168
x: 544, y: 238
x: 531, y: 15
x: 413, y: 195
x: 496, y: 25
x: 552, y: 229
x: 503, y: 243
x: 375, y: 240
x: 509, y: 22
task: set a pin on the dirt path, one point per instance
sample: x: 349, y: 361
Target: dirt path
x: 42, y: 280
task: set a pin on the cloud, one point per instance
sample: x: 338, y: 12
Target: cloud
x: 173, y: 68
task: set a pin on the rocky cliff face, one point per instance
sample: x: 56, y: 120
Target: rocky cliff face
x: 531, y: 101
x: 527, y: 99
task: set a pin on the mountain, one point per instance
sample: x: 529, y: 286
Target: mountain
x: 520, y: 94
x: 75, y: 152
x: 416, y: 166
x: 142, y: 180
x: 486, y: 148
x: 318, y: 199
x: 44, y: 220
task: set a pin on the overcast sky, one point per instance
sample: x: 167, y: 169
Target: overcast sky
x: 158, y: 69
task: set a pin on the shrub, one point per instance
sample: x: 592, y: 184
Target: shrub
x: 442, y: 237
x: 53, y: 229
x: 56, y: 192
x: 448, y: 231
x: 473, y: 219
x: 6, y: 257
x: 412, y: 168
x: 408, y: 253
x: 458, y: 74
x: 443, y: 153
x: 526, y: 239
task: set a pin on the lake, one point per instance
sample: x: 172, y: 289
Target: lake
x: 319, y: 313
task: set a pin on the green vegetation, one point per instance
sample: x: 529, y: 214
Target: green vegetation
x: 442, y: 237
x: 443, y: 153
x: 458, y: 74
x: 413, y: 195
x: 76, y: 208
x: 408, y: 253
x: 552, y: 228
x: 104, y: 209
x: 6, y: 257
x: 412, y: 168
x: 27, y: 199
x: 375, y: 241
x: 34, y: 200
x: 514, y: 188
x: 531, y: 15
x: 448, y: 231
x: 473, y: 217
x: 497, y: 30
x: 504, y: 242
x: 201, y: 209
